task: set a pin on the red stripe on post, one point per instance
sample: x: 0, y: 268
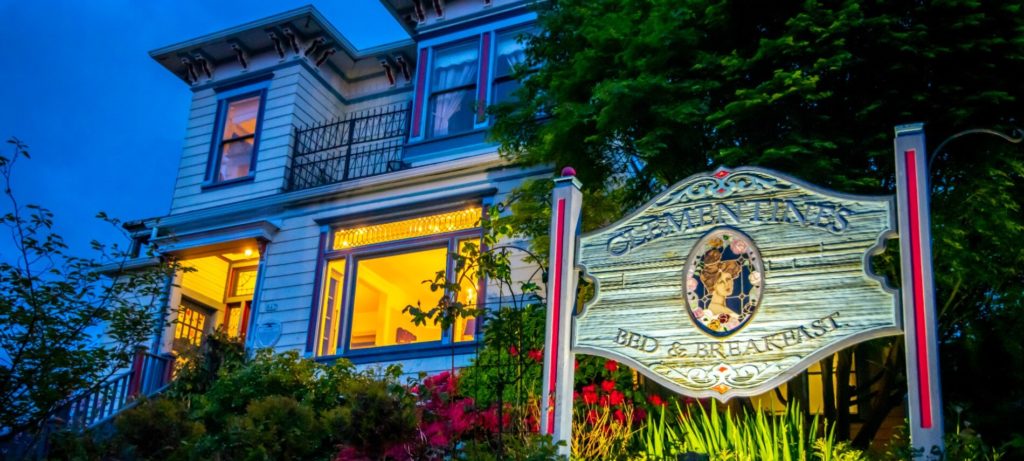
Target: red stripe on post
x: 485, y: 64
x: 421, y: 81
x: 556, y: 314
x: 920, y: 332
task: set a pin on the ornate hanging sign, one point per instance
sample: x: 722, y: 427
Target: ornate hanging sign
x: 730, y: 283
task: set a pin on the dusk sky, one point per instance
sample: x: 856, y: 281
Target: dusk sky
x: 104, y: 122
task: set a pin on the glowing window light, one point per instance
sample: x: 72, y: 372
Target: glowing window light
x: 407, y: 228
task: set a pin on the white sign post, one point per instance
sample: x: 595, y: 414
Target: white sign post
x: 920, y: 324
x: 557, y: 379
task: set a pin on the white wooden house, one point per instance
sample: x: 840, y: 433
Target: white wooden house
x: 320, y: 184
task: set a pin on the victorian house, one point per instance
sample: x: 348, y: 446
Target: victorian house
x: 320, y: 184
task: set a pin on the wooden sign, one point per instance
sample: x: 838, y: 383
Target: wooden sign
x: 730, y: 283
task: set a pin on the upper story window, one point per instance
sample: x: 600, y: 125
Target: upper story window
x: 237, y: 137
x: 373, y: 272
x: 452, y: 88
x: 510, y: 52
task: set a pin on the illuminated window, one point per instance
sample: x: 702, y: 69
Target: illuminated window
x: 237, y: 137
x: 329, y: 329
x: 191, y: 326
x: 408, y: 228
x: 382, y: 271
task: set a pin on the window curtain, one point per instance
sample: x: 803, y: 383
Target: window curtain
x: 512, y: 53
x: 454, y: 68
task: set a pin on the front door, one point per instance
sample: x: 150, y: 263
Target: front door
x: 194, y: 323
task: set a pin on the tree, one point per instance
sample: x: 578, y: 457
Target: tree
x: 53, y: 306
x: 638, y: 94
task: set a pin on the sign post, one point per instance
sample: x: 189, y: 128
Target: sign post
x: 557, y: 379
x: 919, y: 316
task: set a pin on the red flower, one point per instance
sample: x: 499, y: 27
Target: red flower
x: 656, y: 400
x: 639, y: 415
x: 592, y: 416
x: 616, y: 398
x: 575, y: 364
x: 611, y: 365
x: 604, y: 401
x: 513, y: 351
x: 589, y: 395
x: 536, y: 354
x: 608, y: 385
x: 620, y: 416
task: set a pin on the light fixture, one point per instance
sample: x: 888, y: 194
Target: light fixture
x: 248, y: 252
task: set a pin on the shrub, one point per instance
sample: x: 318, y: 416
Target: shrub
x: 156, y: 430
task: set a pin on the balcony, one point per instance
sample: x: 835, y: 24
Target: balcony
x: 359, y: 145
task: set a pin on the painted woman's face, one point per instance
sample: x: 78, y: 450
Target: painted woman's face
x: 723, y: 286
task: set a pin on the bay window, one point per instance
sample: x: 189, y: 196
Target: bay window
x: 452, y: 88
x: 373, y: 272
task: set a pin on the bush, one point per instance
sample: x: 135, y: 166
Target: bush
x: 156, y: 429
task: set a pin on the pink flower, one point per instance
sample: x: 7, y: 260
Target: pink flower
x: 611, y: 365
x: 691, y: 284
x: 698, y: 312
x: 738, y: 246
x: 732, y: 324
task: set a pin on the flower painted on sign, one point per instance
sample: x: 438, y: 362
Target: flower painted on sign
x: 691, y: 284
x: 738, y: 246
x: 755, y: 278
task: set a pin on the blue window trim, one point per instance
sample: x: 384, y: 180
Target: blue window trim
x: 352, y: 257
x: 213, y: 163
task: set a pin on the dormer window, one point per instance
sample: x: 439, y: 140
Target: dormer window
x: 237, y: 138
x: 452, y: 89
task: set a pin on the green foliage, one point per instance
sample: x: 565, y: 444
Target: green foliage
x: 53, y: 302
x: 742, y: 437
x: 157, y: 429
x: 639, y: 94
x: 377, y: 414
x: 274, y: 427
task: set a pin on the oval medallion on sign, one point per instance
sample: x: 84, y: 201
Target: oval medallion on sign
x: 724, y: 281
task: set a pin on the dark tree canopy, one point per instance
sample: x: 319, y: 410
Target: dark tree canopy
x: 639, y: 94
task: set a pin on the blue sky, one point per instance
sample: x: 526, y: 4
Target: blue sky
x: 104, y: 122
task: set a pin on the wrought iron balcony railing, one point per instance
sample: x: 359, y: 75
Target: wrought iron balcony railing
x: 362, y: 144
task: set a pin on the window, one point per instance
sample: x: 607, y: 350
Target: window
x: 382, y: 268
x: 239, y: 121
x: 452, y: 85
x: 191, y: 326
x: 510, y: 52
